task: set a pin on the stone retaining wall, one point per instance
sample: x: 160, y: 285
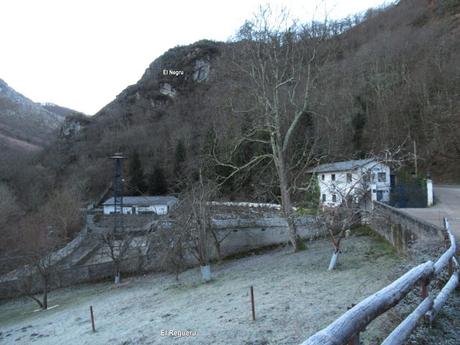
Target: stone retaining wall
x: 400, y: 228
x: 238, y: 236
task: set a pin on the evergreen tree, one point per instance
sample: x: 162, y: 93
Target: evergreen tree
x: 136, y: 175
x: 157, y: 184
x: 359, y: 123
x: 313, y: 194
x: 179, y: 158
x: 209, y: 164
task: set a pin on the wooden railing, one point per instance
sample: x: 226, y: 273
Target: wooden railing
x: 346, y: 329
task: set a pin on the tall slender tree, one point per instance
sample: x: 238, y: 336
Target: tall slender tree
x: 157, y: 184
x: 137, y: 183
x: 279, y: 65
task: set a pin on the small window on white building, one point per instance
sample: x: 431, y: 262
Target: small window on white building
x: 333, y: 177
x: 334, y: 198
x: 349, y: 177
x: 323, y: 197
x: 323, y: 177
x: 367, y: 177
x: 382, y: 177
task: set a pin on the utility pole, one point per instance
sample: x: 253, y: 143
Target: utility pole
x: 118, y: 192
x: 415, y: 158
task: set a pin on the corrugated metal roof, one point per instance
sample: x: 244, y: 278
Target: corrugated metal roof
x: 144, y: 200
x: 341, y: 166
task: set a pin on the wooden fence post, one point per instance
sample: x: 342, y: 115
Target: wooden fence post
x: 424, y: 289
x: 450, y: 267
x: 252, y: 304
x: 92, y: 318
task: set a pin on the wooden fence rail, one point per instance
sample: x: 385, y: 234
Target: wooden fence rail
x: 355, y: 320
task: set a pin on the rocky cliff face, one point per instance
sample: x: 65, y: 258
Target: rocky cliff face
x: 24, y: 123
x: 174, y: 73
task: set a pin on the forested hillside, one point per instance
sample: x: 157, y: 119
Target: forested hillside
x: 380, y: 81
x: 25, y: 125
x: 377, y: 83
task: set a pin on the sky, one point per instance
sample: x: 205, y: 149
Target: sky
x: 82, y: 53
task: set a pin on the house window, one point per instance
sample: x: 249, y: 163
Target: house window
x: 334, y: 198
x: 323, y: 197
x: 373, y: 177
x: 349, y: 177
x: 323, y: 177
x: 382, y: 177
x: 333, y: 177
x: 366, y: 177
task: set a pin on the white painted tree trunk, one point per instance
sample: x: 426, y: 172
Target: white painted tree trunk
x: 333, y: 262
x: 117, y: 278
x: 206, y: 272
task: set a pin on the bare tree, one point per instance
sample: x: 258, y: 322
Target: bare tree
x: 116, y: 245
x: 354, y: 198
x: 41, y: 259
x: 280, y: 62
x: 338, y: 221
x: 191, y: 231
x: 197, y: 212
x: 63, y: 211
x: 169, y: 241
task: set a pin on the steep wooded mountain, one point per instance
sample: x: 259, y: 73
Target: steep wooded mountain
x: 381, y: 81
x: 25, y: 124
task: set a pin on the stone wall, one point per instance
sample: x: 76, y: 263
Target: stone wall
x: 401, y: 229
x: 238, y: 235
x: 242, y: 235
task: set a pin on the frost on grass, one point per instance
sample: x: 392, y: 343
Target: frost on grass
x: 295, y: 297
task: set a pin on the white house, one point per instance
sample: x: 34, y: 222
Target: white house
x: 354, y: 179
x: 142, y: 204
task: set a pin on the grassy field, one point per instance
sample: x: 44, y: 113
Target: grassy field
x: 295, y: 297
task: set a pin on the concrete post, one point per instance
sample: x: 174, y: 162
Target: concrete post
x: 429, y: 192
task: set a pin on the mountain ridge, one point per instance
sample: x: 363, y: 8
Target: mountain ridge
x: 384, y: 81
x: 26, y: 124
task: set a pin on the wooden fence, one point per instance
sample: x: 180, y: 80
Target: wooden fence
x: 346, y: 329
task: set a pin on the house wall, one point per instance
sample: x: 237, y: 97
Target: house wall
x: 383, y: 186
x: 158, y: 209
x: 342, y: 186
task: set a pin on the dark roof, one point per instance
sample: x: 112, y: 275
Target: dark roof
x: 144, y: 200
x: 341, y: 166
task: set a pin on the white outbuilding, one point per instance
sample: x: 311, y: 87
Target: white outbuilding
x: 353, y: 179
x: 160, y: 205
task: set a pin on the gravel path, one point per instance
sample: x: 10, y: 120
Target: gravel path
x: 447, y: 200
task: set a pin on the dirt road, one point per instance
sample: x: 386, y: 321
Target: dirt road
x: 447, y: 204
